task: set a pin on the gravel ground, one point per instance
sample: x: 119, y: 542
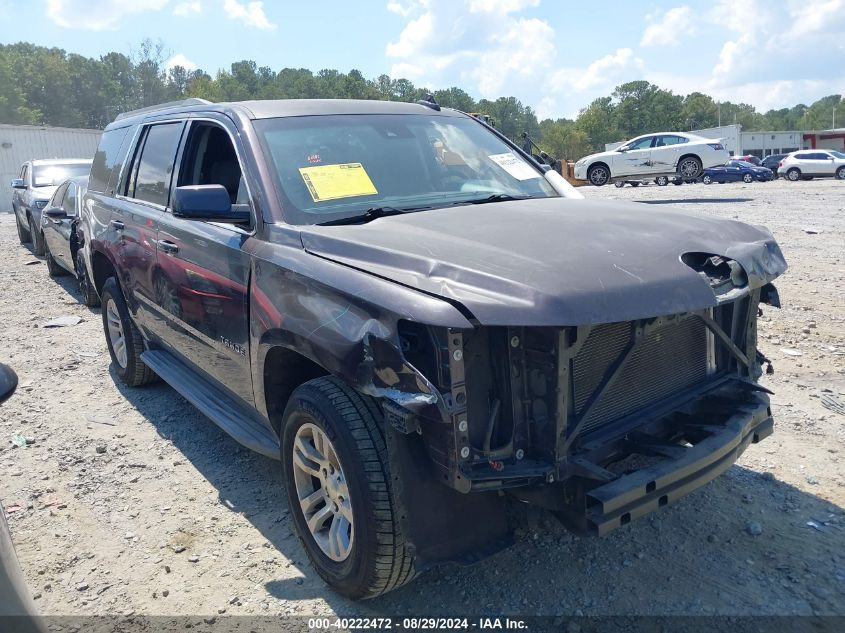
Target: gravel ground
x: 129, y: 501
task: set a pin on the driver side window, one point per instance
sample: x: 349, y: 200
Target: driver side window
x: 643, y: 143
x: 210, y: 158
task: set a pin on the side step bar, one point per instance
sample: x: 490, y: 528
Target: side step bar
x: 242, y: 423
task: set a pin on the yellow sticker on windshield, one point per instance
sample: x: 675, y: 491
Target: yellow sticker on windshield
x: 330, y: 182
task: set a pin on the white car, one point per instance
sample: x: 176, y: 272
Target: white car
x: 652, y: 155
x: 813, y: 163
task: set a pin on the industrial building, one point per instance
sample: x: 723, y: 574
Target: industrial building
x: 20, y: 143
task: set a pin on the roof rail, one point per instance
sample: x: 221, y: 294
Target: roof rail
x: 162, y: 106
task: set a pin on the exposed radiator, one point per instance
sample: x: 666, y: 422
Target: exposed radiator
x: 667, y: 361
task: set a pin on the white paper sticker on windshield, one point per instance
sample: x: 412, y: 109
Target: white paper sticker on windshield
x: 514, y: 165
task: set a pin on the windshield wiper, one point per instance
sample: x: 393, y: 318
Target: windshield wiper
x: 496, y: 197
x: 373, y: 213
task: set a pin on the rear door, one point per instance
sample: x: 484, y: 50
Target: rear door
x: 138, y: 210
x: 64, y: 227
x: 51, y: 227
x: 204, y: 271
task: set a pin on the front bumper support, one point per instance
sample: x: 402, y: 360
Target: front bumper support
x: 635, y: 494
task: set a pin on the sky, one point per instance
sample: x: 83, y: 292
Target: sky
x: 553, y: 55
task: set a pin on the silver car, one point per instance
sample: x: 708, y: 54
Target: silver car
x: 32, y: 190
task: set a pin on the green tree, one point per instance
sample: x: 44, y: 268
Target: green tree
x: 598, y: 122
x: 699, y: 111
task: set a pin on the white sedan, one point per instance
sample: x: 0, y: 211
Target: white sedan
x: 653, y: 155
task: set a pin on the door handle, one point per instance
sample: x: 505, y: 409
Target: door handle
x: 117, y: 225
x: 167, y: 246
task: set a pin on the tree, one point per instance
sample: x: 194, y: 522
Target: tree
x: 598, y: 122
x: 699, y: 111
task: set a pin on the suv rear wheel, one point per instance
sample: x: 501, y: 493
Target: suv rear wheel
x: 794, y: 174
x: 840, y: 173
x: 123, y: 338
x: 339, y: 489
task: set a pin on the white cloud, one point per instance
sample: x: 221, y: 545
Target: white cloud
x: 481, y: 45
x: 670, y: 29
x: 400, y: 9
x: 185, y: 9
x: 605, y: 73
x: 97, y: 15
x: 179, y: 59
x: 251, y: 14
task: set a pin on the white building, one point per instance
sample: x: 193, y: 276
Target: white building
x: 20, y: 143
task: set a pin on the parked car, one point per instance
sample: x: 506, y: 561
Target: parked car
x: 736, y: 170
x: 415, y: 318
x: 33, y: 189
x: 653, y: 155
x: 815, y: 163
x: 63, y: 239
x: 750, y: 158
x: 771, y: 162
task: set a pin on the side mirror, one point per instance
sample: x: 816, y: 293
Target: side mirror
x: 209, y: 203
x: 18, y: 183
x: 8, y: 382
x: 55, y: 213
x: 622, y: 149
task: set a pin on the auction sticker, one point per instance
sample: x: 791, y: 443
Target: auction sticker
x: 331, y: 182
x: 514, y: 165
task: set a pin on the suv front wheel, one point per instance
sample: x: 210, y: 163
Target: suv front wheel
x: 38, y: 244
x: 339, y: 489
x: 23, y: 231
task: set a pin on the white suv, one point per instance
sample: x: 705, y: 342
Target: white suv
x: 813, y: 163
x: 652, y: 155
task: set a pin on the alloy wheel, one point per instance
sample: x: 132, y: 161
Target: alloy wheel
x: 116, y: 334
x: 323, y: 492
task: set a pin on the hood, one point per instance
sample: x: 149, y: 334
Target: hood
x: 551, y: 261
x: 43, y: 193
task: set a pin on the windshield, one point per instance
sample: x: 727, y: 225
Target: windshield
x: 54, y: 175
x: 334, y: 167
x: 742, y: 163
x: 837, y: 154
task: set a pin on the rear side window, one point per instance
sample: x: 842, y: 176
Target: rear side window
x: 153, y: 166
x: 107, y: 160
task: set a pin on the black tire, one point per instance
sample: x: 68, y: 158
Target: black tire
x: 53, y: 267
x: 23, y: 231
x: 635, y: 183
x: 598, y: 175
x: 677, y: 182
x: 619, y: 184
x: 86, y: 288
x: 379, y: 559
x: 134, y: 372
x: 661, y: 181
x: 747, y: 178
x: 689, y: 167
x: 794, y: 174
x: 840, y: 173
x: 38, y: 244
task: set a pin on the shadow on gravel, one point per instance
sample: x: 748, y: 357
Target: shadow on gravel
x: 697, y: 201
x: 746, y: 544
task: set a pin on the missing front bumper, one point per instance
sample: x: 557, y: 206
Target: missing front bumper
x: 618, y: 502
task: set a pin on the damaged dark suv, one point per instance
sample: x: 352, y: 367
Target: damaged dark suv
x: 422, y: 323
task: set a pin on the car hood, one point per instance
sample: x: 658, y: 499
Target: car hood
x: 43, y: 193
x: 551, y: 261
x: 593, y: 157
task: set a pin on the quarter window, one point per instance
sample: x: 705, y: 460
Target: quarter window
x: 151, y: 174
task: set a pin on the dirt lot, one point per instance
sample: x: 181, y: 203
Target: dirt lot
x: 129, y: 501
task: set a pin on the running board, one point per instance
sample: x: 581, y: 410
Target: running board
x: 239, y: 421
